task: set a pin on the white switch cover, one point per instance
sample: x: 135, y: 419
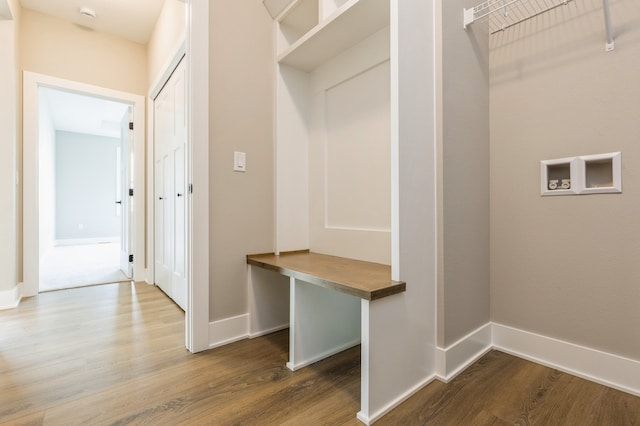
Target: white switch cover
x: 239, y: 161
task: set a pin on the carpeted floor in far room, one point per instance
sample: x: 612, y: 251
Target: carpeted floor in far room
x: 81, y: 265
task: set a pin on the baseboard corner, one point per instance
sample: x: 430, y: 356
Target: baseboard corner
x: 454, y: 359
x: 10, y: 299
x: 228, y: 330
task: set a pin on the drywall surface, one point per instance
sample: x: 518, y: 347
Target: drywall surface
x: 241, y: 94
x: 168, y: 34
x: 46, y: 176
x: 61, y: 49
x: 566, y: 266
x: 86, y: 180
x: 463, y: 295
x: 9, y: 118
x: 350, y: 153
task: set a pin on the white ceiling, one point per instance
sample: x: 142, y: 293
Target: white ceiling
x: 130, y: 19
x: 72, y: 112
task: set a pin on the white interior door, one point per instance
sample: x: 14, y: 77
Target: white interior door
x: 125, y: 200
x: 170, y: 137
x: 162, y: 208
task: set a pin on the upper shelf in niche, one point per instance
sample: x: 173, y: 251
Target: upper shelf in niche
x: 347, y: 26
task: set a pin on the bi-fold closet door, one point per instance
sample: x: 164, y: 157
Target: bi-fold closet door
x: 170, y: 137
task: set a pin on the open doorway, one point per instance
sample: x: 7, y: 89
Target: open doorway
x: 84, y: 163
x: 133, y: 205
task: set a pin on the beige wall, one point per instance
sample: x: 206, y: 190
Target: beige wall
x: 9, y: 119
x: 241, y: 96
x: 463, y: 287
x: 61, y: 49
x: 566, y: 267
x: 168, y: 33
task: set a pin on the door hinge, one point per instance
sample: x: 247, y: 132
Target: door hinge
x: 190, y: 188
x: 130, y: 192
x: 131, y: 125
x: 130, y: 258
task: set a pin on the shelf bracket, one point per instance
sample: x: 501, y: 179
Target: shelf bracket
x: 610, y: 45
x: 468, y: 17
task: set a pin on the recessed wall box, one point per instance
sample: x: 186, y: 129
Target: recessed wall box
x: 602, y: 173
x: 585, y: 174
x: 557, y: 176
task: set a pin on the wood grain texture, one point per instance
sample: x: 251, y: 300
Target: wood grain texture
x: 115, y: 355
x: 365, y: 280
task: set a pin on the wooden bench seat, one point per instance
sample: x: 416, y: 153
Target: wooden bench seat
x: 365, y: 280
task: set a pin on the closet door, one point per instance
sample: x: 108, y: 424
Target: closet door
x: 170, y: 185
x: 178, y: 270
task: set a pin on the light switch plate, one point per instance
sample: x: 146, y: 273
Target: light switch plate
x: 239, y: 161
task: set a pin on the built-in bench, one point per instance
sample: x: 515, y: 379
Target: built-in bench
x: 365, y: 280
x: 326, y: 297
x: 333, y: 304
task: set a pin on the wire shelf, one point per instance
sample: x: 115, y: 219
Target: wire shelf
x: 503, y: 14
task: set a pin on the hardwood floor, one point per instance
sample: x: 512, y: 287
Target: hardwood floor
x: 114, y: 355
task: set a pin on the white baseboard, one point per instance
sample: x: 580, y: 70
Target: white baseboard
x: 591, y: 364
x: 228, y: 330
x: 268, y: 331
x: 85, y: 241
x: 454, y: 359
x: 368, y: 420
x: 601, y: 367
x: 9, y: 299
x: 293, y: 367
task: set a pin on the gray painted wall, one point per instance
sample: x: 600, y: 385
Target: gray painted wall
x: 86, y: 186
x: 10, y: 116
x: 566, y: 267
x: 242, y: 101
x: 463, y: 296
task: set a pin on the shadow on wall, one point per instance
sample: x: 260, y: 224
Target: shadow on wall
x: 567, y: 34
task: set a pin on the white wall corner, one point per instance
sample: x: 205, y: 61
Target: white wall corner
x: 454, y: 359
x: 607, y: 369
x: 369, y: 420
x: 147, y: 277
x: 276, y: 7
x: 254, y: 334
x: 228, y: 330
x: 9, y: 299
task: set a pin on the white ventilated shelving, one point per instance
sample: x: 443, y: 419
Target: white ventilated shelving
x: 503, y: 14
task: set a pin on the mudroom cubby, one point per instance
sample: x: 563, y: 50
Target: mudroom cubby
x: 334, y: 165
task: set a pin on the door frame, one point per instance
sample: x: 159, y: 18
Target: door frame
x: 198, y: 116
x: 195, y: 49
x: 31, y: 83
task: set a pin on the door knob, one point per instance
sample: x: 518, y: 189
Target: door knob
x: 160, y: 198
x: 179, y: 194
x: 118, y: 202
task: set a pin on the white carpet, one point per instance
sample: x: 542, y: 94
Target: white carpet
x: 78, y: 266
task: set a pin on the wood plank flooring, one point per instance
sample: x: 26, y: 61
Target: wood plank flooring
x: 114, y: 355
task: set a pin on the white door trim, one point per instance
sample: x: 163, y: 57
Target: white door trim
x: 197, y: 314
x: 31, y: 82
